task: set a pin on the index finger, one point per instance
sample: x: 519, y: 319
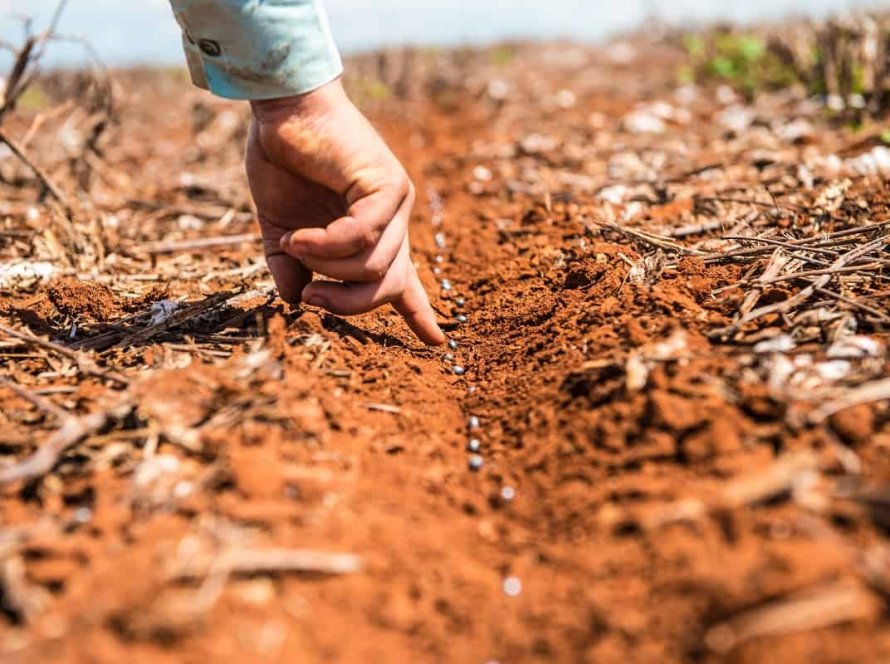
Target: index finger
x: 415, y: 308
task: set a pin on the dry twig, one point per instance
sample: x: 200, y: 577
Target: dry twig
x: 271, y: 561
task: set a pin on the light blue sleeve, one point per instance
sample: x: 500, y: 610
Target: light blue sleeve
x: 257, y: 49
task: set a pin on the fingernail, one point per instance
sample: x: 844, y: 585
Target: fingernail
x: 285, y: 241
x: 317, y: 301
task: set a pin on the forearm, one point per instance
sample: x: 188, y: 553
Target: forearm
x: 245, y: 49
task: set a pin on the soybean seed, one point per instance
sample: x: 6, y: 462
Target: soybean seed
x: 474, y: 445
x: 83, y: 514
x: 453, y: 344
x: 512, y: 587
x: 476, y: 462
x: 460, y: 302
x: 440, y: 240
x: 458, y: 370
x: 473, y: 422
x: 437, y: 271
x: 446, y: 285
x: 449, y: 357
x: 440, y: 259
x: 508, y: 493
x: 461, y: 319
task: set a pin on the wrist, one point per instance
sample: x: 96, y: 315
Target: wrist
x: 313, y: 104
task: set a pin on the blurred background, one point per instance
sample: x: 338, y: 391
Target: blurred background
x: 144, y: 32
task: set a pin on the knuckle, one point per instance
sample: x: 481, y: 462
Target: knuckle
x: 376, y: 269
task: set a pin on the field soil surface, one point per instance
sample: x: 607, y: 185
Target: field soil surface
x: 666, y: 439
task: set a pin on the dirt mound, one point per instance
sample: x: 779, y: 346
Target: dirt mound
x: 83, y: 299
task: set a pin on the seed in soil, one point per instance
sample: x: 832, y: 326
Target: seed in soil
x: 508, y: 493
x: 437, y: 271
x: 476, y: 462
x: 512, y: 586
x: 453, y: 344
x: 458, y: 370
x: 449, y: 357
x: 461, y: 319
x: 460, y: 302
x: 474, y: 445
x: 473, y: 422
x: 83, y: 514
x: 446, y: 285
x: 440, y: 240
x: 439, y: 259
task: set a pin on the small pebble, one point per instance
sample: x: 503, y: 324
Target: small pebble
x: 462, y: 319
x: 512, y: 586
x: 458, y: 370
x: 440, y: 240
x: 453, y: 344
x: 446, y: 285
x: 476, y: 462
x: 460, y: 302
x: 508, y: 493
x: 474, y: 445
x: 473, y: 422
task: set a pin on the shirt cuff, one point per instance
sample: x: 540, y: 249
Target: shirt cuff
x: 247, y: 49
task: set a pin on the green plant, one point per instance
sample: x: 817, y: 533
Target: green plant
x: 502, y: 56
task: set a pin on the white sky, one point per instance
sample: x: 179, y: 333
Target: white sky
x: 133, y: 31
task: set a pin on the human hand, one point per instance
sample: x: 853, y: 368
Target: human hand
x: 332, y: 198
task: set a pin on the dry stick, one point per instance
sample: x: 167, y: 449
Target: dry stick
x: 880, y: 315
x: 818, y: 273
x: 797, y: 244
x: 779, y: 243
x: 748, y: 201
x: 693, y: 229
x: 192, y: 245
x: 179, y: 317
x: 19, y: 68
x: 820, y: 607
x: 658, y: 241
x: 83, y: 363
x: 740, y: 492
x: 272, y: 561
x: 383, y: 408
x: 22, y: 76
x: 38, y: 401
x: 877, y: 390
x: 19, y: 152
x: 210, y: 211
x: 777, y: 263
x: 73, y: 430
x: 806, y: 293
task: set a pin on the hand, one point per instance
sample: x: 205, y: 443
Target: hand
x: 333, y: 199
